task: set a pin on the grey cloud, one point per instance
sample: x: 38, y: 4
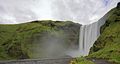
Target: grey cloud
x: 81, y: 11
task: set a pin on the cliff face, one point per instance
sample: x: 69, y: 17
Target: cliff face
x: 107, y: 45
x: 34, y: 39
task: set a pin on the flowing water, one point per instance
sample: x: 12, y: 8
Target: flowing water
x: 89, y: 34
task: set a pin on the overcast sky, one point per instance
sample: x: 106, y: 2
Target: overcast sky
x: 81, y: 11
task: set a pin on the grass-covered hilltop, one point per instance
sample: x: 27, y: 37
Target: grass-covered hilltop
x: 107, y: 45
x: 25, y: 41
x: 48, y: 39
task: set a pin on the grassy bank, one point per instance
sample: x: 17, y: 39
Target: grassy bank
x: 24, y: 41
x: 107, y: 45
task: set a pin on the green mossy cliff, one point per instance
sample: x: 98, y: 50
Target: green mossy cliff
x: 107, y: 45
x: 18, y: 41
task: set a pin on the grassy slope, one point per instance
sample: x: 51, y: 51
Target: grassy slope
x: 108, y: 44
x: 16, y: 40
x: 81, y: 61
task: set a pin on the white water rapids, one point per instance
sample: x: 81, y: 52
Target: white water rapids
x: 86, y: 12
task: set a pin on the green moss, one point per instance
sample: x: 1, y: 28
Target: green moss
x: 14, y: 39
x: 81, y: 61
x: 108, y: 44
x: 18, y: 41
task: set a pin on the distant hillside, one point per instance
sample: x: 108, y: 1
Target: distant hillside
x: 24, y: 41
x: 108, y: 44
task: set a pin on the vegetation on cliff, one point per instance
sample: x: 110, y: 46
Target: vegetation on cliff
x: 107, y: 45
x: 19, y: 41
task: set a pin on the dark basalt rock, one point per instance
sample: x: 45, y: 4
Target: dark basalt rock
x: 118, y: 5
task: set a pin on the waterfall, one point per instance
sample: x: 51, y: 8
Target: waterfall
x: 89, y: 34
x: 79, y: 11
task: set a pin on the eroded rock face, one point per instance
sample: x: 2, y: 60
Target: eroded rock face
x: 57, y: 43
x: 38, y: 39
x: 118, y: 5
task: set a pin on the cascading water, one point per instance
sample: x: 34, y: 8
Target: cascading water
x: 81, y: 11
x: 89, y: 34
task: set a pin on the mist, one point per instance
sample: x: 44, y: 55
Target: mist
x: 52, y: 45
